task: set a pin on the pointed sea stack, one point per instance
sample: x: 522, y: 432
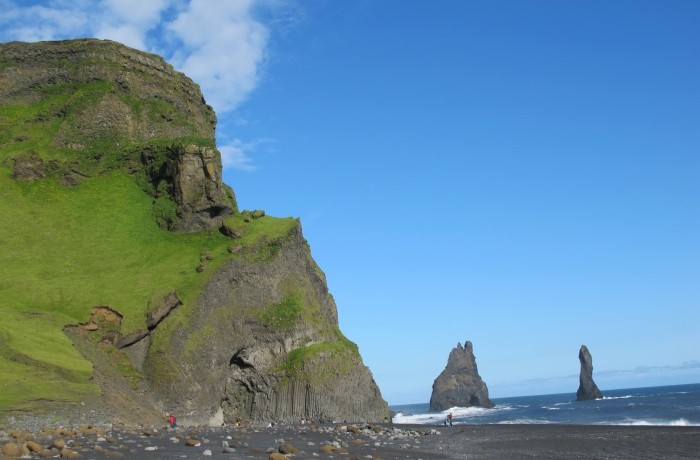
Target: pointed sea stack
x: 459, y: 384
x: 587, y: 389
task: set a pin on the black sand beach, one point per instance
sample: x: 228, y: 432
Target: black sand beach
x: 370, y: 442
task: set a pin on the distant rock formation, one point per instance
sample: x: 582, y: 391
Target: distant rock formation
x: 587, y: 389
x: 460, y: 384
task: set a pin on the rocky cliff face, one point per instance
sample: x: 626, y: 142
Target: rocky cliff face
x: 263, y: 343
x: 459, y: 384
x: 587, y: 389
x: 101, y: 106
x: 256, y: 336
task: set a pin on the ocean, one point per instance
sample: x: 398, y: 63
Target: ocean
x: 668, y: 405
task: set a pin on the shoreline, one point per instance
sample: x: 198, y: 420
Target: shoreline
x: 366, y: 441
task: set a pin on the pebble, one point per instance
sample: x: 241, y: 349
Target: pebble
x: 338, y: 440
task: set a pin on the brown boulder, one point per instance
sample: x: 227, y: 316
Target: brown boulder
x: 108, y: 452
x: 14, y: 450
x: 69, y: 453
x: 34, y: 447
x: 58, y: 444
x: 21, y: 436
x: 287, y: 448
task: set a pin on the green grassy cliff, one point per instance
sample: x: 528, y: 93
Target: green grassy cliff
x: 111, y: 196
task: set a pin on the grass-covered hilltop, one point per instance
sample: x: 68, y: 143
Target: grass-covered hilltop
x: 129, y: 279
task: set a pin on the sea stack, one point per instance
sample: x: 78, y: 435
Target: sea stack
x: 459, y: 384
x: 587, y: 389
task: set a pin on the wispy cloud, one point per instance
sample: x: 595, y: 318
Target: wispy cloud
x: 644, y: 370
x: 47, y: 21
x: 608, y: 375
x: 236, y: 154
x: 130, y: 21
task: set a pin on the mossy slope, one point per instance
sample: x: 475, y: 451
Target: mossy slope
x: 96, y: 144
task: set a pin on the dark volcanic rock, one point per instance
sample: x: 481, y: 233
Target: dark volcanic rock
x: 587, y: 389
x: 261, y: 360
x: 459, y: 384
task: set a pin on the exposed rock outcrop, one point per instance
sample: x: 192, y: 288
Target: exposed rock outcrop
x: 162, y: 310
x: 263, y: 344
x: 459, y: 384
x: 587, y: 389
x: 120, y: 108
x: 111, y: 77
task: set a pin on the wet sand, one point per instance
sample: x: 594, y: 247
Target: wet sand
x: 380, y: 442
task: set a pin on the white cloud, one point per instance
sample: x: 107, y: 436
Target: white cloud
x: 38, y: 22
x: 225, y: 49
x: 129, y: 21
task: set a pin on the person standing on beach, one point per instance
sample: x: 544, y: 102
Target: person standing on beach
x: 173, y: 423
x: 449, y: 418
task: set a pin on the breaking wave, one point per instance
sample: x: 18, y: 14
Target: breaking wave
x: 677, y: 405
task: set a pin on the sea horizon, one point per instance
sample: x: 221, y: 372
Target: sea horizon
x: 671, y: 405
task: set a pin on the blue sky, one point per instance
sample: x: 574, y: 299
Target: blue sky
x: 521, y: 174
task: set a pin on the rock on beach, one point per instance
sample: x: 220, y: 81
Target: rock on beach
x: 361, y: 441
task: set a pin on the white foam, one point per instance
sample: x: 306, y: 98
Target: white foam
x: 525, y: 421
x: 606, y: 398
x: 467, y: 411
x: 678, y: 422
x: 418, y: 419
x: 459, y: 415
